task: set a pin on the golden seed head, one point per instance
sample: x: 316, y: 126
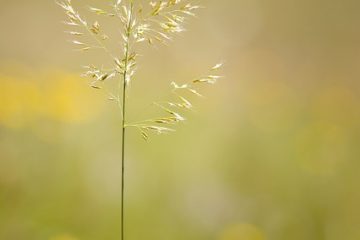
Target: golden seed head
x: 159, y: 24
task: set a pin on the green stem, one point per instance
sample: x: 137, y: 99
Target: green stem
x: 123, y: 155
x: 126, y: 61
x: 123, y: 164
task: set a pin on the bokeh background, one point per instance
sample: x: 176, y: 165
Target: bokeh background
x: 271, y: 153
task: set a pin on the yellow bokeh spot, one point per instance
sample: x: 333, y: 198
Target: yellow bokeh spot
x: 64, y: 237
x: 320, y: 148
x: 55, y: 96
x: 242, y: 232
x: 69, y: 100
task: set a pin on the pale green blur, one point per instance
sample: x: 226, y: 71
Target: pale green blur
x: 272, y: 152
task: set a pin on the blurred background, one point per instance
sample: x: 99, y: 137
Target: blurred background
x: 272, y: 152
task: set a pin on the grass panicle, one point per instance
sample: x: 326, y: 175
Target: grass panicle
x: 158, y: 22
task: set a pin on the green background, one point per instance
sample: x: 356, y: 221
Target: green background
x: 272, y: 152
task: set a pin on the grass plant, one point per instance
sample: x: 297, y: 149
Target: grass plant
x: 158, y: 22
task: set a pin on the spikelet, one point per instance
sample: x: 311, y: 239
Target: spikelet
x: 165, y: 19
x: 181, y: 103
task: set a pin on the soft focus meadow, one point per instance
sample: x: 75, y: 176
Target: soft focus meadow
x: 271, y: 153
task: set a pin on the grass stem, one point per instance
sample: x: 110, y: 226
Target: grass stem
x: 125, y: 78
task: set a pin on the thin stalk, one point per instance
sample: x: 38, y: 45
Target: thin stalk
x: 126, y: 61
x: 123, y: 157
